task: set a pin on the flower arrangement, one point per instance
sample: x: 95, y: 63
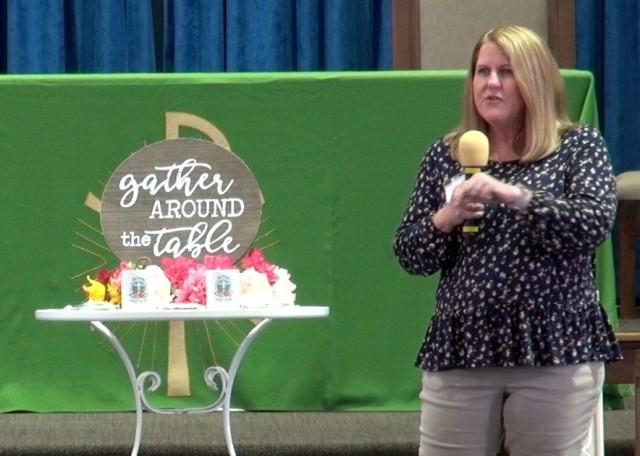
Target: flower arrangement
x: 106, y: 285
x: 183, y: 280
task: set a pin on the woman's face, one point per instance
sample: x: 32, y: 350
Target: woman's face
x: 495, y: 92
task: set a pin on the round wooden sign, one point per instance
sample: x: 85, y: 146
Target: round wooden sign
x: 181, y: 197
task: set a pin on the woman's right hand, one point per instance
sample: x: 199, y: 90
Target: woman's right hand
x: 457, y: 210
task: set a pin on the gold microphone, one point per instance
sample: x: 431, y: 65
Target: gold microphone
x: 473, y: 152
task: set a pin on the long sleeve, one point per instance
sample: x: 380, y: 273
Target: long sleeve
x: 583, y: 215
x: 419, y: 246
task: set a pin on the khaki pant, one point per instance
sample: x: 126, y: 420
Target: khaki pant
x: 539, y: 411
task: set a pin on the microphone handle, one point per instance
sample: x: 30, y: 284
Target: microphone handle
x: 471, y: 228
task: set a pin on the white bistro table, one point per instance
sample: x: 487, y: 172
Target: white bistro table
x: 226, y: 378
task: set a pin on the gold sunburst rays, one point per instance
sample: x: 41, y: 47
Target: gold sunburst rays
x: 87, y: 249
x: 91, y: 242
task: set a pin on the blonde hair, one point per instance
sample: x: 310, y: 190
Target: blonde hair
x: 540, y: 84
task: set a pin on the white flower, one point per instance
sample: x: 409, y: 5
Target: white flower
x: 255, y: 290
x: 283, y: 289
x: 159, y: 285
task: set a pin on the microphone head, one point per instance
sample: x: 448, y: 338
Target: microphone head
x: 473, y: 149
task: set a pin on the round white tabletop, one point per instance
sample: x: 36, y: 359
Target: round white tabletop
x: 223, y: 313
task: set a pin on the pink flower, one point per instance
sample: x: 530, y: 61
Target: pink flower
x: 194, y: 287
x: 222, y: 261
x: 116, y: 276
x: 255, y: 259
x: 177, y: 269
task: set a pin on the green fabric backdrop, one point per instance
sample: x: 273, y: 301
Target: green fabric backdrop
x: 335, y: 155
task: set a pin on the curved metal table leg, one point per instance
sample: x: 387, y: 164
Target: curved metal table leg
x: 136, y: 386
x: 132, y: 377
x: 233, y: 369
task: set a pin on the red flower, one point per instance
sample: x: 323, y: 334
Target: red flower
x: 255, y: 259
x: 103, y: 276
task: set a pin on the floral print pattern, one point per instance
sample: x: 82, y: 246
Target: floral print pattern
x: 522, y: 291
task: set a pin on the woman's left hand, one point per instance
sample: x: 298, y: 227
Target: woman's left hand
x: 483, y: 189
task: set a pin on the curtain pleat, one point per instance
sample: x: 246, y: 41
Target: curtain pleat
x: 194, y: 35
x: 113, y: 36
x: 349, y: 22
x: 3, y: 36
x: 35, y: 36
x: 309, y: 20
x: 260, y: 35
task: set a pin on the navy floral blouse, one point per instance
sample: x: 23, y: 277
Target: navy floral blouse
x: 522, y: 292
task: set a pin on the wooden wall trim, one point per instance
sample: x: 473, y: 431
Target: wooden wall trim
x: 406, y: 34
x: 561, y: 17
x: 561, y: 21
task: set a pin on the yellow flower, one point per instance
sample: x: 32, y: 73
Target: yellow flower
x: 114, y: 293
x: 95, y: 290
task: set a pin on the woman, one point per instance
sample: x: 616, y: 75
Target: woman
x: 517, y: 345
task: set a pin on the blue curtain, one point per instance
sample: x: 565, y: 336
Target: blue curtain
x: 116, y: 36
x: 608, y: 44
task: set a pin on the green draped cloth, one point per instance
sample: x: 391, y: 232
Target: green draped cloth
x: 335, y: 156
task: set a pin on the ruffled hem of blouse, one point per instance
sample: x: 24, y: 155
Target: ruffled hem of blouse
x: 570, y: 337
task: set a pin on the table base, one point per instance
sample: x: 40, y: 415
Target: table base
x: 151, y: 380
